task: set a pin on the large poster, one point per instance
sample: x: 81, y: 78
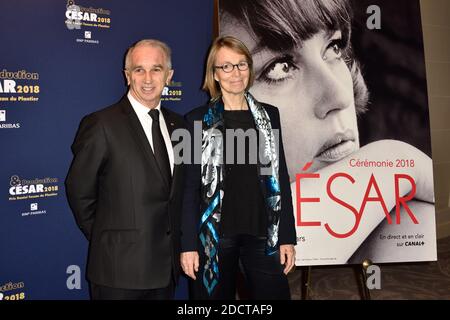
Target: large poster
x: 60, y: 60
x: 348, y: 78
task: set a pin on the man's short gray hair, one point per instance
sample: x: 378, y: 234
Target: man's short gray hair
x: 151, y: 43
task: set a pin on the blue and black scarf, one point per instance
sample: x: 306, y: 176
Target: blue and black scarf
x: 212, y: 191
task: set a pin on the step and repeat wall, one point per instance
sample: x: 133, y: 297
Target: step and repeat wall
x: 60, y: 60
x: 347, y: 76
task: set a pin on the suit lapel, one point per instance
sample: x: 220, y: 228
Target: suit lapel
x: 140, y: 137
x: 172, y: 124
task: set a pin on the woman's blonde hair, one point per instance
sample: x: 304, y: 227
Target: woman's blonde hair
x: 210, y: 85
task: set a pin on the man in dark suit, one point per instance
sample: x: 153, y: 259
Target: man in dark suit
x: 124, y: 188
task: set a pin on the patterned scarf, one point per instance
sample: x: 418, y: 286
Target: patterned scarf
x: 212, y: 191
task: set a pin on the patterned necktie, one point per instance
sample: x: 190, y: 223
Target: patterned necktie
x: 159, y: 147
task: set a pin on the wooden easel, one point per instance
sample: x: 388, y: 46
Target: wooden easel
x: 365, y: 292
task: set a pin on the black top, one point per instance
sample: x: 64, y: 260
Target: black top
x: 194, y: 206
x: 243, y: 210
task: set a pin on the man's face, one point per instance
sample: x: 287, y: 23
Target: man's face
x: 147, y: 74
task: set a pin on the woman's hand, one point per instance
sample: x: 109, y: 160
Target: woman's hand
x: 287, y: 257
x: 189, y: 262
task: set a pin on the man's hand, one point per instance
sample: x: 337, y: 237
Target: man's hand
x: 189, y: 262
x: 287, y: 257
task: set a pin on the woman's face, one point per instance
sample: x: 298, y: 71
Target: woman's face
x: 236, y: 81
x: 312, y: 87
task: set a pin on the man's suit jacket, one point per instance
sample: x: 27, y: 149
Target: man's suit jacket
x: 121, y: 202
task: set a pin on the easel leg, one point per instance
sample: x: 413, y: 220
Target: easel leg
x: 306, y: 282
x: 365, y: 290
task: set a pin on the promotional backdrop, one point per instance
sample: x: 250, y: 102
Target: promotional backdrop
x: 355, y: 124
x: 60, y: 60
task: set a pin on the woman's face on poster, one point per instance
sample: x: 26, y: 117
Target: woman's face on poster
x: 312, y: 87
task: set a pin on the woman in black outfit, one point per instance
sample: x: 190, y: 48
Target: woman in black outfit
x: 237, y: 208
